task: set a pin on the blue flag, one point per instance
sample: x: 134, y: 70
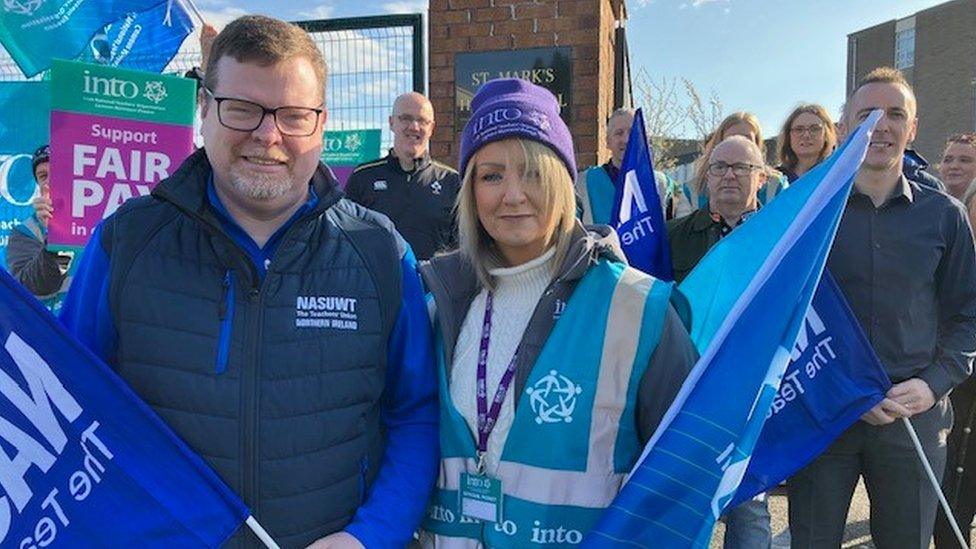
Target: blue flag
x: 636, y: 214
x: 36, y: 31
x: 834, y: 377
x: 84, y: 462
x: 144, y: 41
x: 748, y: 297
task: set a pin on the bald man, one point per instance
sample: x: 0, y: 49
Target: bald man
x: 414, y: 191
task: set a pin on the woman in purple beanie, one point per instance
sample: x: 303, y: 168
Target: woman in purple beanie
x: 556, y: 360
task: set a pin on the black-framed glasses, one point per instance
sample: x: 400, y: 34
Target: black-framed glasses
x: 247, y: 116
x: 739, y: 169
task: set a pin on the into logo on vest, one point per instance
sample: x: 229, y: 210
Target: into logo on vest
x: 553, y: 398
x: 335, y: 312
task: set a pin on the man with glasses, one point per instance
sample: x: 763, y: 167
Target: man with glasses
x: 735, y: 173
x: 414, y: 191
x: 279, y: 329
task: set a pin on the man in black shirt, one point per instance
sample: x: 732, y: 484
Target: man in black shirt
x: 414, y: 191
x: 905, y: 260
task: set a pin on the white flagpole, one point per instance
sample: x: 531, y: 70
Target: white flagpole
x: 194, y: 9
x: 261, y: 533
x: 935, y: 483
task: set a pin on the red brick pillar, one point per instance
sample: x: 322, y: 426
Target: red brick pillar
x: 584, y: 27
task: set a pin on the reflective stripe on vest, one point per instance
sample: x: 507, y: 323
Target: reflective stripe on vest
x: 573, y: 438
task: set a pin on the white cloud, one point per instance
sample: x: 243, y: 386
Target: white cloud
x: 406, y: 6
x: 700, y: 3
x: 324, y: 11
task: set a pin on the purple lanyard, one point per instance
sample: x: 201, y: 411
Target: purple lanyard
x: 487, y: 418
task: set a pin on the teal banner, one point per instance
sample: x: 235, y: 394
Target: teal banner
x: 35, y: 32
x: 24, y: 126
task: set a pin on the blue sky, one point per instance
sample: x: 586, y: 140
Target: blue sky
x: 758, y: 55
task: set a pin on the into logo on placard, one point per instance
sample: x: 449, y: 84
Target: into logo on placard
x: 553, y: 398
x: 22, y: 7
x: 155, y: 91
x: 110, y: 87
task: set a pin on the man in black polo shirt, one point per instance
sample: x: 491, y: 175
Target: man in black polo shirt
x: 904, y: 259
x: 414, y: 191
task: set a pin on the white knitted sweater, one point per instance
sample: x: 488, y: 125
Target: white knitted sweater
x: 517, y: 291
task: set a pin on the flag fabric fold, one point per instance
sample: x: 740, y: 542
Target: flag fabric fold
x: 748, y: 298
x: 636, y: 213
x: 145, y: 41
x: 84, y: 457
x: 35, y: 32
x: 834, y: 377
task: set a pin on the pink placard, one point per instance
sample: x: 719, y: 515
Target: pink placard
x: 99, y: 162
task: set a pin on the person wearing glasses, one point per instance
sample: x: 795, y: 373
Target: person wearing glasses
x: 416, y: 192
x: 808, y: 136
x: 278, y: 328
x: 734, y: 173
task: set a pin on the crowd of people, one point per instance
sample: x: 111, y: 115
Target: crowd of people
x: 360, y: 366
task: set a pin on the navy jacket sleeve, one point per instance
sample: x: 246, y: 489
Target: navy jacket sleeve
x: 32, y: 265
x: 397, y: 500
x: 85, y: 312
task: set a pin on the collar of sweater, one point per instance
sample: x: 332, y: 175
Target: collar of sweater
x: 539, y: 270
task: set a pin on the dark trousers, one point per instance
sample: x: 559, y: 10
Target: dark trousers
x: 959, y: 483
x: 903, y: 502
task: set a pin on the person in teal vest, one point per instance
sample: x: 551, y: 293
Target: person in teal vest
x: 596, y: 188
x: 556, y: 360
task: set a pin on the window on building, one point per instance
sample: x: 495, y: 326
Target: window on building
x: 905, y: 44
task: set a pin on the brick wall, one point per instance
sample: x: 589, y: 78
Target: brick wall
x: 460, y: 26
x: 945, y: 74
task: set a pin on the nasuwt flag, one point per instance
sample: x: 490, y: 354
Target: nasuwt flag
x: 145, y: 41
x: 834, y: 378
x: 752, y: 292
x: 35, y: 32
x: 636, y: 214
x: 85, y: 462
x: 115, y: 134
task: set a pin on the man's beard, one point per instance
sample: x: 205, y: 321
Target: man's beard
x: 261, y: 186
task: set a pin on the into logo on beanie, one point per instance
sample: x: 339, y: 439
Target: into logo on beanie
x: 512, y: 107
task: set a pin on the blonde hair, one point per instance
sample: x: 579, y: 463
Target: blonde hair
x: 718, y: 136
x: 478, y: 247
x: 785, y: 153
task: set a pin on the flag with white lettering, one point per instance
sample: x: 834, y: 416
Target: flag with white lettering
x: 144, y: 41
x: 83, y: 461
x: 35, y: 32
x: 636, y: 213
x: 748, y: 298
x: 834, y: 378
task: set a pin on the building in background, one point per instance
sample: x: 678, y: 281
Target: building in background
x: 936, y: 49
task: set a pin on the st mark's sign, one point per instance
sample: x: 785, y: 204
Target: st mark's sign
x: 550, y: 68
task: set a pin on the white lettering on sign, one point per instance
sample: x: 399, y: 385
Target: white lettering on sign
x: 110, y: 87
x: 91, y: 163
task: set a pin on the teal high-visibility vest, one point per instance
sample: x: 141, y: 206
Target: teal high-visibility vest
x: 574, y: 435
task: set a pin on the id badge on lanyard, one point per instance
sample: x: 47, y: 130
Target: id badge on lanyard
x: 480, y: 496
